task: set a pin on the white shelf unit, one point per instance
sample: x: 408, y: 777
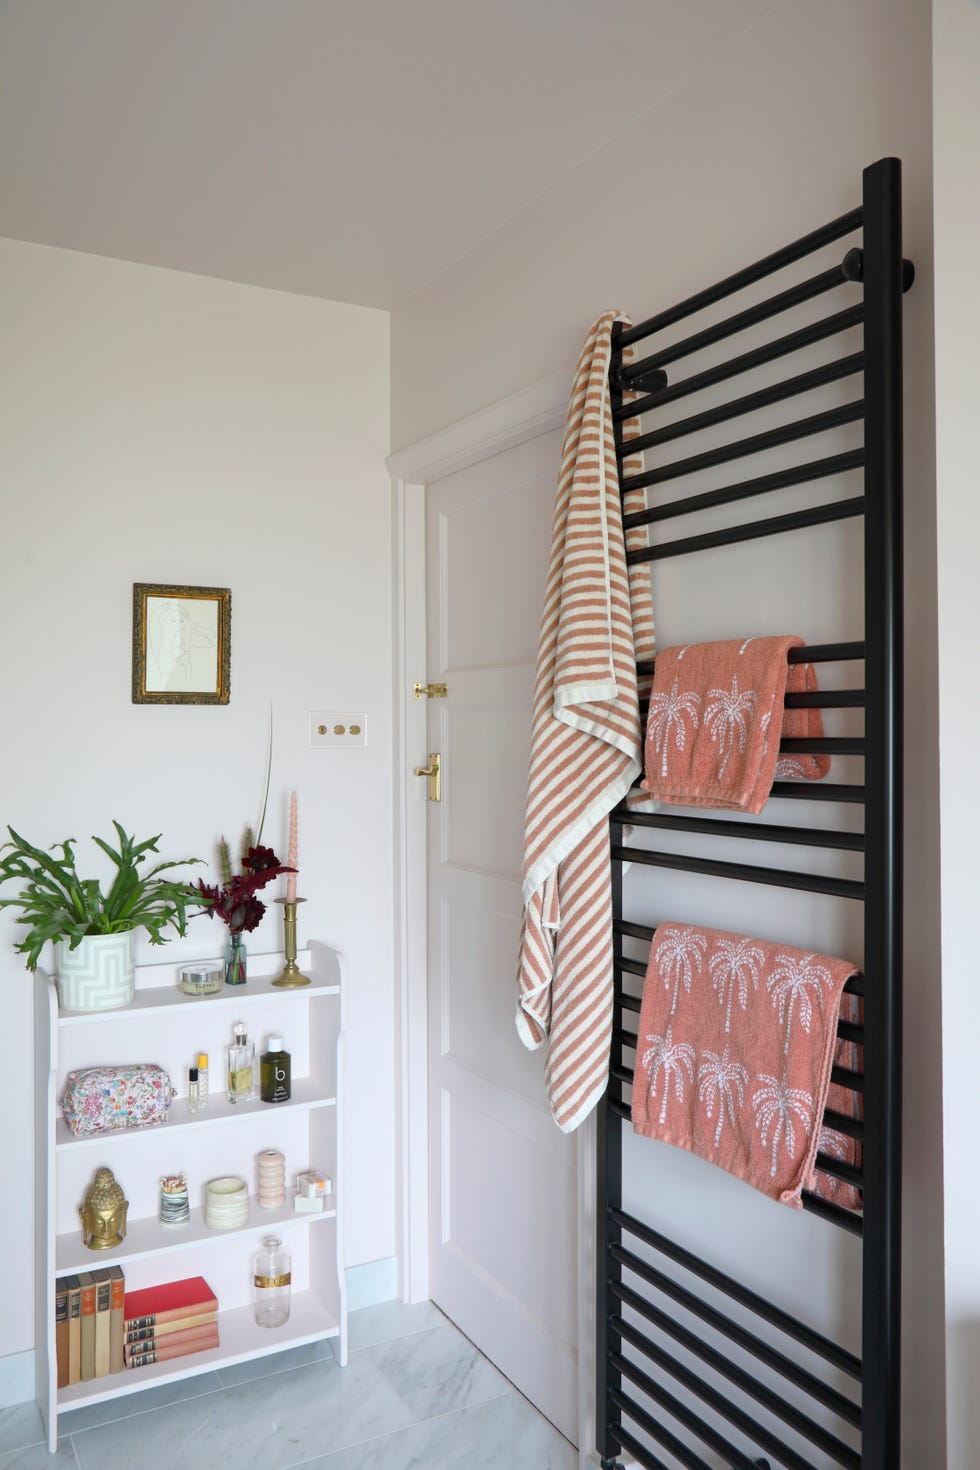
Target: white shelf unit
x: 164, y: 1026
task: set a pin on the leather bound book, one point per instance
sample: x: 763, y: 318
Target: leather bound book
x: 74, y: 1329
x: 117, y: 1294
x: 103, y: 1302
x: 61, y: 1329
x: 87, y: 1283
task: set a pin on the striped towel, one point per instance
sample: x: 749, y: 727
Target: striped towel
x: 586, y: 744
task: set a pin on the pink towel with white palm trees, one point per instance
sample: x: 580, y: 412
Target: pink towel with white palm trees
x: 736, y: 1043
x: 716, y: 717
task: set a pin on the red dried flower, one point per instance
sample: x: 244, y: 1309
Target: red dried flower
x: 235, y: 901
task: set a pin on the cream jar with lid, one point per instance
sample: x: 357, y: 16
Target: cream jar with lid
x: 200, y: 979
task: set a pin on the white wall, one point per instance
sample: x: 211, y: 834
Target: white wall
x: 762, y: 145
x: 956, y: 68
x: 160, y: 427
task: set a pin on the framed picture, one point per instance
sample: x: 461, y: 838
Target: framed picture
x: 181, y: 644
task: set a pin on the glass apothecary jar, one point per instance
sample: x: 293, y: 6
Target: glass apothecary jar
x: 272, y: 1278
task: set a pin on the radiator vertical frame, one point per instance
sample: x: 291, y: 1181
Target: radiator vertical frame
x: 881, y: 1286
x: 609, y: 1132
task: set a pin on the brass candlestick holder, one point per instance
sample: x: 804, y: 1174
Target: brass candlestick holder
x: 292, y: 976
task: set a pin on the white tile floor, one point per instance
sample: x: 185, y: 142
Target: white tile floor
x: 415, y: 1395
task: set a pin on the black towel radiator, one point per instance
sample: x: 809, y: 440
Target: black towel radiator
x: 639, y: 1268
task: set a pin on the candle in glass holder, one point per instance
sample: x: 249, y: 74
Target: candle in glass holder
x: 293, y: 851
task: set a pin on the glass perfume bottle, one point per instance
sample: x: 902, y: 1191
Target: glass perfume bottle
x: 241, y: 1066
x: 274, y: 1070
x: 272, y: 1276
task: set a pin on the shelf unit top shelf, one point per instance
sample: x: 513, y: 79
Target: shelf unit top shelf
x: 151, y: 1000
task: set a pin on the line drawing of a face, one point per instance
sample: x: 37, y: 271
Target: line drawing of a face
x: 173, y: 634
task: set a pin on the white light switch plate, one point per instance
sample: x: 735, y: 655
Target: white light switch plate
x: 337, y: 730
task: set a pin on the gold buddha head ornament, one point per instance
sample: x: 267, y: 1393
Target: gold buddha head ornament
x: 103, y: 1213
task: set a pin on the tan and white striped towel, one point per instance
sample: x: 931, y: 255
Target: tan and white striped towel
x: 586, y: 744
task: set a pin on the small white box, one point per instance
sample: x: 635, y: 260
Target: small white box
x: 304, y: 1206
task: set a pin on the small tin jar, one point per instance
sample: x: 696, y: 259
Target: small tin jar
x: 200, y: 979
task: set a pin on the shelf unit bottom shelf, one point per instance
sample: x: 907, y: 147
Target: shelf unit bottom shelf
x: 241, y: 1339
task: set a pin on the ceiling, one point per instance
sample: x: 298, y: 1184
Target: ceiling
x: 347, y: 150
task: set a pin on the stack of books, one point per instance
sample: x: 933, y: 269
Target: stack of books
x: 169, y: 1321
x: 88, y: 1314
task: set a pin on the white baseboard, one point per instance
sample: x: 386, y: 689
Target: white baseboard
x: 372, y: 1283
x: 16, y: 1379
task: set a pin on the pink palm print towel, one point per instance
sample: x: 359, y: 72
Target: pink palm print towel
x: 715, y: 721
x: 736, y: 1042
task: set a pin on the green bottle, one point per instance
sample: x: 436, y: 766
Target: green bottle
x: 274, y: 1069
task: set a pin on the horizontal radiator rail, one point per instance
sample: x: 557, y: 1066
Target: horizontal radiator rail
x: 825, y: 699
x: 743, y: 1337
x: 625, y: 375
x: 817, y: 791
x: 806, y: 428
x: 798, y: 520
x: 823, y: 745
x: 746, y: 362
x: 846, y: 1219
x: 746, y: 831
x: 803, y: 474
x: 839, y: 1169
x: 830, y: 372
x: 845, y: 224
x: 843, y: 1122
x: 854, y: 985
x: 747, y: 872
x: 804, y: 745
x: 766, y: 1310
x: 808, y: 653
x: 722, y: 1365
x: 806, y: 791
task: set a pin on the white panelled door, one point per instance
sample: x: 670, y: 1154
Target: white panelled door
x: 502, y: 1177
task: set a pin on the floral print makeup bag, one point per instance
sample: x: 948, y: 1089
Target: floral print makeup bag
x: 99, y: 1099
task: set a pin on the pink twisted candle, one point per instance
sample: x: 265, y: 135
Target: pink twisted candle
x: 292, y: 854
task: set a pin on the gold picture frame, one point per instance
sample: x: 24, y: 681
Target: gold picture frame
x: 181, y: 644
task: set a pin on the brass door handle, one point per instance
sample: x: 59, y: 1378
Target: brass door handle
x: 434, y: 772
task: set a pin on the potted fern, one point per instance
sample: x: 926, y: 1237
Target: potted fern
x: 92, y: 931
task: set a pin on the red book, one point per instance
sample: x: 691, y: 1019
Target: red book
x: 165, y: 1303
x: 205, y: 1337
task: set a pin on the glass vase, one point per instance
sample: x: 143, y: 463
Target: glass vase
x: 272, y: 1276
x: 236, y: 957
